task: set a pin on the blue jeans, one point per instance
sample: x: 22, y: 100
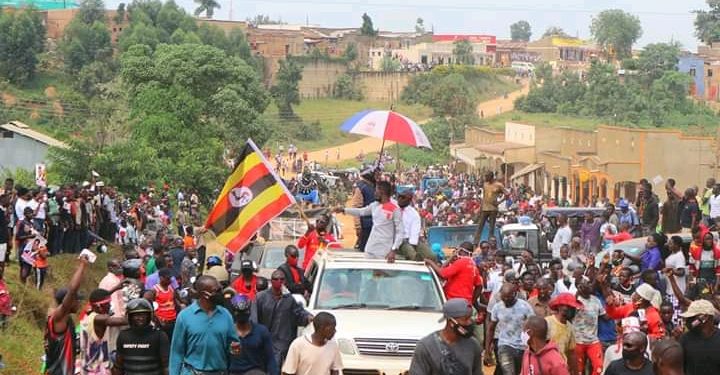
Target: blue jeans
x: 509, y: 360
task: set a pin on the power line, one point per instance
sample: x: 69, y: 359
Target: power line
x: 489, y: 8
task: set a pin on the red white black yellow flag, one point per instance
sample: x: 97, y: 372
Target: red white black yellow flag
x: 252, y: 196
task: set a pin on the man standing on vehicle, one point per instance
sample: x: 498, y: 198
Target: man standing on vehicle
x: 492, y: 190
x: 563, y: 236
x: 412, y: 248
x: 451, y: 350
x: 363, y: 195
x: 317, y: 237
x: 387, y: 229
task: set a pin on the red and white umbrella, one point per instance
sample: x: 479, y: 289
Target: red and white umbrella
x: 388, y: 126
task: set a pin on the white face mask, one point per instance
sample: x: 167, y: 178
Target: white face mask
x: 524, y: 337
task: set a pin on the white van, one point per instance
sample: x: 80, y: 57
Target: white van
x: 382, y: 310
x: 522, y: 67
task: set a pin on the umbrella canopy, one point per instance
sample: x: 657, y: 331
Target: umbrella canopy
x: 386, y: 125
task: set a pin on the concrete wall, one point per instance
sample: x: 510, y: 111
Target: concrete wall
x: 689, y: 159
x: 383, y: 87
x: 21, y: 152
x: 520, y: 133
x: 475, y: 136
x: 319, y: 80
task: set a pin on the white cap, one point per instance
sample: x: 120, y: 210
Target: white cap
x: 100, y: 184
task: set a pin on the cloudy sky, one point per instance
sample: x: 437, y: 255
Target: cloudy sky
x: 662, y: 20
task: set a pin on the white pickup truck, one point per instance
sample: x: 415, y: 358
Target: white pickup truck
x: 382, y: 310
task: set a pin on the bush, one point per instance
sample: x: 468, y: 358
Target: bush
x: 347, y: 88
x: 307, y: 131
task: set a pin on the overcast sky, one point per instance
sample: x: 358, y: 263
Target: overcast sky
x: 662, y: 20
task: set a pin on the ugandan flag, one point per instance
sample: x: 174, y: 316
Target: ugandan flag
x: 252, y: 196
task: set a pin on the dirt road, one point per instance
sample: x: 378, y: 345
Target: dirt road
x: 368, y: 145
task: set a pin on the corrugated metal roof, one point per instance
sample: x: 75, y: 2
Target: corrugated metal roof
x: 23, y: 129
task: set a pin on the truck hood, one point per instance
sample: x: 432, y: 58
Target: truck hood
x: 385, y: 323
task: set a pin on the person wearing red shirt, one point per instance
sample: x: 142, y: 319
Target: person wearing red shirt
x: 624, y: 234
x: 462, y: 278
x: 247, y: 282
x: 647, y: 299
x: 316, y: 237
x: 704, y: 260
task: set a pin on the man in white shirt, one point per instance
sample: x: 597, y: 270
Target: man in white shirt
x: 563, y: 236
x: 387, y: 231
x: 316, y: 353
x: 676, y: 264
x: 714, y: 203
x: 412, y: 248
x: 23, y: 200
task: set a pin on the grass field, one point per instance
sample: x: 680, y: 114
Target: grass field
x: 543, y: 119
x: 331, y: 113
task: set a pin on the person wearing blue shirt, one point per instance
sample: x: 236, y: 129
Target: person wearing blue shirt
x: 255, y: 340
x: 204, y: 335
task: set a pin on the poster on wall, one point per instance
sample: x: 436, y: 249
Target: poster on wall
x: 40, y: 175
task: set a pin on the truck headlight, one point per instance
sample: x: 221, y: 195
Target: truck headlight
x: 347, y: 346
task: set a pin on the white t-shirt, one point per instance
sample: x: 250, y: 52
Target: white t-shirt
x: 714, y: 202
x: 304, y: 358
x: 676, y: 261
x: 562, y: 237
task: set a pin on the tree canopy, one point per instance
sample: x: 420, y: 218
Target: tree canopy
x: 555, y: 31
x: 616, y: 31
x: 463, y: 52
x: 656, y: 96
x: 206, y: 6
x: 367, y: 28
x: 520, y: 31
x: 22, y: 37
x: 287, y: 87
x: 707, y: 22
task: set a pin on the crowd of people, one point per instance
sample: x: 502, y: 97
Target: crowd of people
x: 164, y: 307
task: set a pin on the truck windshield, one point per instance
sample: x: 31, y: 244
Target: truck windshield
x: 378, y: 289
x: 516, y: 241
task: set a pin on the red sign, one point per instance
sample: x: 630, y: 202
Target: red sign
x: 487, y: 39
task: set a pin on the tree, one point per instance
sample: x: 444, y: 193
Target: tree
x: 463, y: 52
x: 388, y: 64
x: 420, y: 26
x: 207, y: 6
x: 119, y: 14
x: 520, y: 31
x: 350, y: 53
x: 555, y: 31
x: 262, y: 19
x: 22, y: 37
x: 616, y: 31
x: 707, y: 23
x: 286, y: 90
x: 91, y: 11
x: 367, y: 28
x: 83, y: 44
x: 656, y: 59
x: 346, y: 88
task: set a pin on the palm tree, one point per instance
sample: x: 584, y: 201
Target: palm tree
x: 207, y: 6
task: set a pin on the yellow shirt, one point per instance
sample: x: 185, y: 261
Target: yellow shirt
x: 563, y: 335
